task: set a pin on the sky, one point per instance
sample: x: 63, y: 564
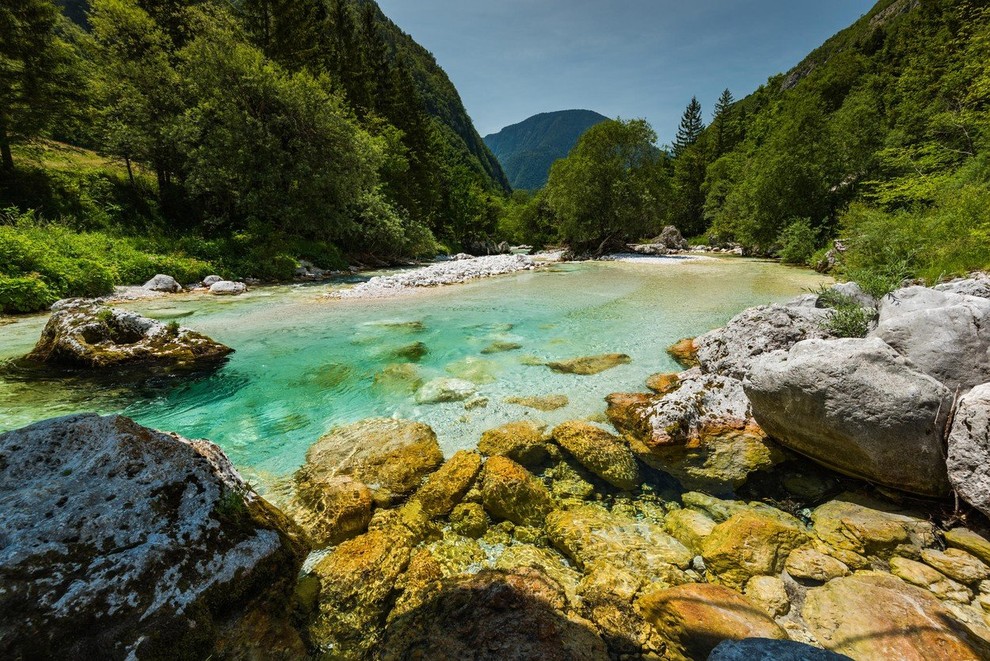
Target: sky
x: 511, y: 59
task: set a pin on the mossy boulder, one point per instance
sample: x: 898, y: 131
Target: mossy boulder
x: 540, y: 402
x: 83, y: 334
x: 603, y: 454
x: 588, y: 365
x: 333, y: 510
x: 391, y: 456
x: 511, y: 492
x: 121, y: 541
x: 750, y: 544
x: 522, y: 441
x: 447, y: 486
x: 689, y: 527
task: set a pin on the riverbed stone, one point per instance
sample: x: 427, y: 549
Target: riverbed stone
x: 922, y: 575
x: 750, y: 544
x: 945, y: 335
x: 522, y: 441
x: 511, y: 492
x: 83, y: 334
x: 601, y: 453
x: 398, y: 378
x: 730, y: 350
x: 811, y: 565
x: 445, y: 488
x: 689, y: 527
x: 685, y: 352
x: 969, y: 448
x: 228, y: 288
x: 163, y: 283
x: 702, y: 432
x: 589, y: 534
x: 969, y: 541
x: 877, y: 617
x: 469, y: 519
x: 501, y: 346
x: 858, y: 530
x: 769, y: 593
x: 413, y: 352
x: 694, y: 618
x: 858, y: 407
x: 540, y: 402
x: 391, y: 456
x: 443, y: 390
x: 764, y: 649
x: 589, y: 365
x: 663, y: 383
x: 717, y: 508
x: 957, y: 564
x: 334, y: 510
x: 154, y: 537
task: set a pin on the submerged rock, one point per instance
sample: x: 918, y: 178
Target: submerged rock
x: 334, y: 510
x: 875, y: 617
x: 439, y: 391
x: 398, y: 378
x: 447, y: 486
x: 501, y: 346
x: 510, y: 492
x: 413, y: 352
x: 154, y: 537
x: 702, y: 432
x: 589, y: 365
x: 695, y: 618
x: 164, y: 283
x: 540, y: 403
x: 522, y: 442
x: 969, y: 448
x: 685, y: 352
x: 600, y: 452
x: 766, y: 649
x: 86, y: 335
x: 662, y: 384
x: 391, y: 456
x: 858, y: 407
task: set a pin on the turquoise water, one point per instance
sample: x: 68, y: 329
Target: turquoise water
x: 304, y: 363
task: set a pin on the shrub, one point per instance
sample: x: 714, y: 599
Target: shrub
x: 798, y: 242
x: 24, y: 294
x: 847, y: 318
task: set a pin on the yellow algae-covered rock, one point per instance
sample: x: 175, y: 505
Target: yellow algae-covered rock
x: 877, y: 617
x: 511, y: 492
x: 811, y: 565
x: 589, y: 365
x: 541, y: 402
x: 663, y: 383
x: 957, y: 564
x: 469, y: 519
x: 685, y: 352
x: 522, y: 441
x: 769, y: 593
x: 969, y: 541
x: 334, y: 510
x: 750, y: 544
x: 694, y: 618
x: 447, y: 486
x: 920, y: 574
x: 601, y: 453
x: 689, y: 527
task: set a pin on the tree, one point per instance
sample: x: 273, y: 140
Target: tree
x: 37, y: 71
x: 614, y: 185
x: 691, y: 128
x: 723, y: 125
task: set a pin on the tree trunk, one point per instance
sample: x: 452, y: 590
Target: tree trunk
x: 8, y: 158
x: 130, y: 172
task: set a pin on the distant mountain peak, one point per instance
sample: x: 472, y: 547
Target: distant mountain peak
x: 527, y: 150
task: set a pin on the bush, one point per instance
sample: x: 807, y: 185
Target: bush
x: 798, y: 242
x: 847, y: 317
x: 24, y: 294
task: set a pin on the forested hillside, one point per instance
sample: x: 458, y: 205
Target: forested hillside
x: 527, y: 150
x: 238, y: 137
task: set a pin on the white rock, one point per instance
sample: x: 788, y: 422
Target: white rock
x: 165, y: 283
x: 227, y: 288
x: 211, y: 280
x: 969, y: 448
x: 445, y: 390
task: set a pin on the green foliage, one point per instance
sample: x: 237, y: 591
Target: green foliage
x: 172, y: 328
x: 24, y: 294
x: 846, y: 318
x: 798, y: 242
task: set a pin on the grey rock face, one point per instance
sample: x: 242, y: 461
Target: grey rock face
x: 164, y: 283
x: 969, y: 448
x: 211, y: 280
x: 946, y: 335
x: 767, y: 649
x: 856, y: 406
x: 756, y: 331
x: 855, y: 292
x: 118, y: 540
x: 442, y: 390
x: 227, y: 288
x: 978, y: 285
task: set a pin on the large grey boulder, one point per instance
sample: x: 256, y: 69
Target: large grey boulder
x: 977, y: 285
x: 946, y: 335
x: 756, y: 331
x: 118, y: 541
x: 165, y: 283
x: 82, y: 334
x: 227, y: 288
x: 969, y: 448
x: 857, y: 406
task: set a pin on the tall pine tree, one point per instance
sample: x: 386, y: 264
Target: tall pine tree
x: 723, y: 125
x: 692, y: 125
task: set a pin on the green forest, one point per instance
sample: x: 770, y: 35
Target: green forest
x: 200, y: 136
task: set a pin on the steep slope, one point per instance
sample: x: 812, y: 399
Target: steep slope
x: 527, y: 150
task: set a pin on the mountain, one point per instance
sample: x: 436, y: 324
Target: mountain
x: 527, y: 150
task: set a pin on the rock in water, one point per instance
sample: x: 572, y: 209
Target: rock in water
x: 685, y: 352
x: 86, y: 335
x: 211, y: 280
x: 391, y: 456
x: 600, y: 452
x: 227, y: 288
x: 945, y: 335
x: 767, y: 649
x: 969, y: 448
x: 511, y: 492
x: 877, y: 616
x: 120, y: 541
x: 165, y: 283
x: 589, y: 365
x: 442, y: 390
x: 521, y: 441
x: 856, y: 406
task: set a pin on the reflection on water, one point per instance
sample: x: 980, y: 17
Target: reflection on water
x: 304, y: 364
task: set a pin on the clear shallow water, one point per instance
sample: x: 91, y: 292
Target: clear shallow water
x: 304, y: 364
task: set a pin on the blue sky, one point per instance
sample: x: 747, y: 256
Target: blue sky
x: 511, y: 59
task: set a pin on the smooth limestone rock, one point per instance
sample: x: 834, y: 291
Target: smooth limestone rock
x: 119, y: 541
x: 689, y: 527
x: 920, y: 574
x: 702, y: 432
x: 211, y: 280
x: 83, y: 334
x: 510, y: 492
x: 969, y: 541
x: 858, y: 530
x: 858, y: 407
x: 765, y: 649
x: 601, y: 453
x: 730, y: 350
x: 445, y: 488
x: 694, y: 618
x: 391, y: 456
x: 163, y: 283
x: 750, y: 544
x: 855, y: 292
x: 769, y: 593
x: 969, y: 448
x: 877, y: 617
x: 540, y: 403
x: 491, y: 616
x: 589, y: 365
x: 443, y: 390
x: 334, y: 510
x: 957, y: 564
x: 685, y: 352
x: 945, y: 335
x: 227, y: 288
x: 978, y: 285
x: 811, y: 565
x: 521, y: 441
